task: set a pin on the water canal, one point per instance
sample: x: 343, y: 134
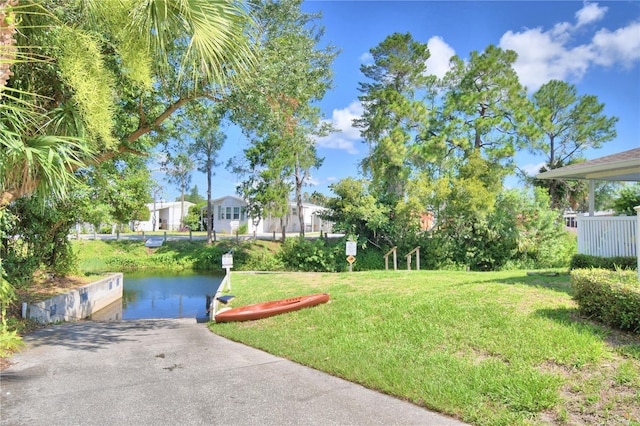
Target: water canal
x: 162, y: 296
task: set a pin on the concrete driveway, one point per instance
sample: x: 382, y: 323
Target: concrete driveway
x: 169, y: 372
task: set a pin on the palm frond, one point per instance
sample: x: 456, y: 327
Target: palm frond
x: 213, y: 32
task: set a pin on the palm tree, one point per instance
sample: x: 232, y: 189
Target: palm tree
x: 91, y: 78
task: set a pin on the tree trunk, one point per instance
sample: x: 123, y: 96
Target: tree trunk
x: 182, y: 207
x: 283, y: 226
x: 7, y: 41
x: 209, y: 209
x: 299, y: 182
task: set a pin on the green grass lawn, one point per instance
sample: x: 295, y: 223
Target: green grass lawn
x: 487, y: 348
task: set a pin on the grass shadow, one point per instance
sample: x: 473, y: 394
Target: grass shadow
x: 556, y: 281
x: 623, y: 342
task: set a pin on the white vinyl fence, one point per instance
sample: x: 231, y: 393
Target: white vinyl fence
x: 607, y: 236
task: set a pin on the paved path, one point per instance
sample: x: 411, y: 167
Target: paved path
x: 176, y: 372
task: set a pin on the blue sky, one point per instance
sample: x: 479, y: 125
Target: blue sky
x: 593, y: 45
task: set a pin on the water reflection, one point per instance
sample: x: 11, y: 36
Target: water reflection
x: 162, y: 296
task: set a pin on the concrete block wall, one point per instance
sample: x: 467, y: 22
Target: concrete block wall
x: 79, y: 303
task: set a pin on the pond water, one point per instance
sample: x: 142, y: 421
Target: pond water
x: 162, y: 296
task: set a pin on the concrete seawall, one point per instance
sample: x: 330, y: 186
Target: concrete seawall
x: 79, y: 303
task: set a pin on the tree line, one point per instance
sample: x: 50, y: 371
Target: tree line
x: 95, y: 94
x: 439, y: 150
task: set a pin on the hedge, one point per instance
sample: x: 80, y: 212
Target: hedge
x: 585, y: 261
x: 610, y: 297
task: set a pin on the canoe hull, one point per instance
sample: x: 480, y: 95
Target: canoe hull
x: 268, y: 309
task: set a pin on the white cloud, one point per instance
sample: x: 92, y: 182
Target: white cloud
x: 441, y: 53
x: 366, y: 58
x: 619, y: 46
x: 312, y: 181
x: 347, y: 135
x: 546, y: 55
x: 533, y: 169
x: 591, y: 12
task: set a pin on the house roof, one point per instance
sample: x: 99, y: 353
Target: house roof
x: 233, y: 197
x: 161, y: 205
x: 623, y: 166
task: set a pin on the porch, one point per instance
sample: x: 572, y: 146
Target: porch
x: 605, y: 236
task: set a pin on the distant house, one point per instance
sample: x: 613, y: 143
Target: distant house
x: 164, y: 216
x: 230, y: 213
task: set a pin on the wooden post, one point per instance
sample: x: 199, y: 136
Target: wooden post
x: 417, y: 252
x: 395, y: 259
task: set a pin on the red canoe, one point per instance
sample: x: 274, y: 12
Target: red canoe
x: 268, y: 309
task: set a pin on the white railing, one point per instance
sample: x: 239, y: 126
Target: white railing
x: 607, y: 236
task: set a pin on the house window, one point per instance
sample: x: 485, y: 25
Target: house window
x: 294, y: 211
x: 220, y: 215
x: 243, y: 213
x: 236, y: 213
x: 228, y: 213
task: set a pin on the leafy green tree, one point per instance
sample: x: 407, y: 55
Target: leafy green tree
x: 42, y: 239
x: 201, y: 142
x: 278, y: 109
x: 207, y: 143
x: 626, y: 199
x: 565, y: 126
x: 194, y: 196
x: 541, y: 240
x: 357, y: 213
x: 178, y: 166
x: 86, y: 87
x: 265, y: 185
x: 192, y: 219
x: 394, y: 111
x: 82, y: 82
x: 484, y: 106
x: 466, y: 202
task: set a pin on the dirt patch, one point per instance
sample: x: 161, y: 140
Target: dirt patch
x: 45, y: 286
x: 596, y: 394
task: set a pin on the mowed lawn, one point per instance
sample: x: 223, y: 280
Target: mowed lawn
x: 486, y: 348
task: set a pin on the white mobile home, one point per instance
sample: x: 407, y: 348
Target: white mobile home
x: 164, y: 216
x: 230, y: 213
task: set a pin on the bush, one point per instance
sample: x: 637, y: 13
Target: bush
x: 585, y: 261
x: 299, y: 254
x: 367, y: 259
x: 610, y: 297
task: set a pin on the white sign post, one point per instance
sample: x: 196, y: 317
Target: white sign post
x: 227, y: 264
x: 351, y: 250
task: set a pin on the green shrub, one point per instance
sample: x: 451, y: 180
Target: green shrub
x: 585, y: 261
x: 368, y: 259
x: 299, y: 254
x: 610, y: 297
x: 262, y: 261
x: 243, y: 229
